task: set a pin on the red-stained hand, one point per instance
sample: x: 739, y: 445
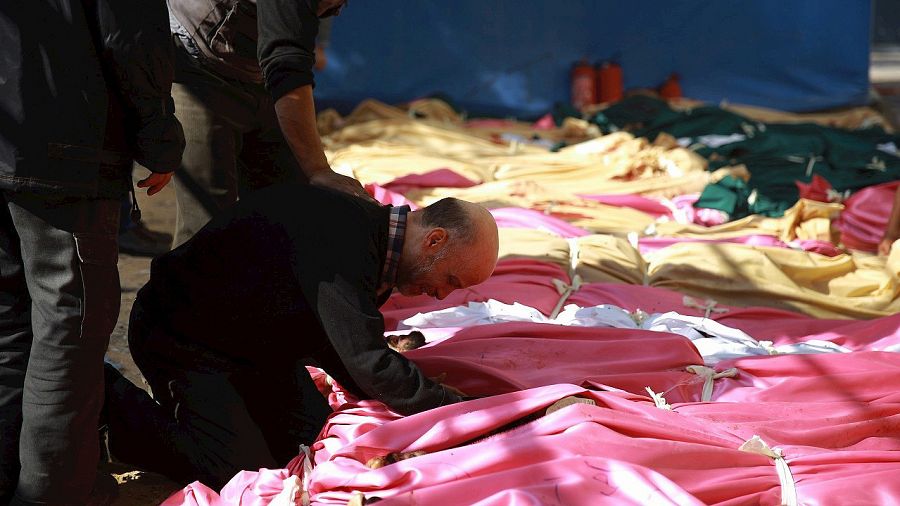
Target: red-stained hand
x: 155, y: 182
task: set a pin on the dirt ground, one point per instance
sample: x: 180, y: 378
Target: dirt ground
x: 137, y: 488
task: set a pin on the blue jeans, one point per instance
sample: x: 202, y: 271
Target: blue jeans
x: 59, y: 301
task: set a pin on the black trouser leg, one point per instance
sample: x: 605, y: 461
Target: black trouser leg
x: 15, y: 344
x: 68, y: 255
x: 207, y: 424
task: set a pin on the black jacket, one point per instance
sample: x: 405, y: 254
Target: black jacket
x: 289, y: 273
x: 271, y: 41
x: 84, y: 91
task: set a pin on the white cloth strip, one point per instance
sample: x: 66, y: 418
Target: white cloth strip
x: 658, y: 399
x: 291, y: 494
x: 785, y: 478
x: 574, y: 252
x: 709, y: 375
x: 565, y: 291
x: 707, y: 305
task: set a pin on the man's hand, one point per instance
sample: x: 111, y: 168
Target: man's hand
x: 340, y: 182
x: 453, y: 390
x: 439, y: 379
x: 297, y: 118
x: 155, y: 182
x: 884, y: 247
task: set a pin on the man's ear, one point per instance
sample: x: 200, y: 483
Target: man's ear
x: 435, y: 238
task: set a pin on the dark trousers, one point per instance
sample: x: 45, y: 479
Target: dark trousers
x: 233, y: 144
x: 59, y: 301
x: 209, y: 417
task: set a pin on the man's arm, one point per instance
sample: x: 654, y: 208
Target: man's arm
x: 286, y: 51
x: 136, y: 51
x: 892, y: 232
x: 356, y: 331
x: 340, y: 292
x: 297, y: 118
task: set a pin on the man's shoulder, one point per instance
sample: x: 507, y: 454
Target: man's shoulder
x: 313, y: 208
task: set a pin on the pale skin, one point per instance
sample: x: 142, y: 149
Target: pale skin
x: 892, y: 232
x: 452, y: 262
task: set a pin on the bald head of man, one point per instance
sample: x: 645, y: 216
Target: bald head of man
x: 450, y: 244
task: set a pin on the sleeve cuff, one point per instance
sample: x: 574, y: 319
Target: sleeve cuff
x: 283, y: 81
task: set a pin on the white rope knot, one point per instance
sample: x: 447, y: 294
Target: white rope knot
x: 835, y: 196
x: 785, y: 478
x: 565, y: 291
x: 709, y: 375
x: 769, y: 346
x: 707, y: 305
x: 812, y: 163
x: 658, y: 399
x: 638, y: 316
x: 876, y: 164
x: 574, y: 253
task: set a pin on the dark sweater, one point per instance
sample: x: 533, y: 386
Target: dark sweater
x: 288, y: 273
x: 271, y: 41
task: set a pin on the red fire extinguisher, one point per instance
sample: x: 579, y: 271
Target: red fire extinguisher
x: 671, y: 88
x: 609, y: 78
x: 584, y: 86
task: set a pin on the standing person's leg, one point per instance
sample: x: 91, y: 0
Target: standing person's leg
x: 15, y: 344
x: 69, y: 254
x: 207, y: 180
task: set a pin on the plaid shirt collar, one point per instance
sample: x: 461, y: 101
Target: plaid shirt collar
x: 396, y: 234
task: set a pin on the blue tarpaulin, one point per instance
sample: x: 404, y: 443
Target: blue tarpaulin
x: 513, y: 57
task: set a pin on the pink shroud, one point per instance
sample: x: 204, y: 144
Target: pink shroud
x: 680, y: 208
x: 517, y: 217
x: 437, y: 178
x: 388, y: 197
x: 835, y: 417
x: 865, y: 217
x: 650, y: 206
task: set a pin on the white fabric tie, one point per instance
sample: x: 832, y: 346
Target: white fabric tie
x: 812, y: 163
x: 565, y: 291
x: 290, y: 494
x: 707, y: 305
x: 788, y: 487
x: 835, y: 196
x: 709, y: 375
x: 574, y: 251
x: 658, y: 399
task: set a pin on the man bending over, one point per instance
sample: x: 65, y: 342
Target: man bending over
x: 291, y: 275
